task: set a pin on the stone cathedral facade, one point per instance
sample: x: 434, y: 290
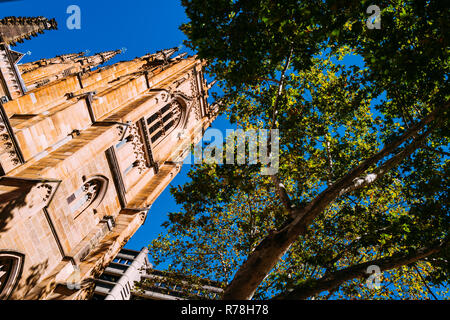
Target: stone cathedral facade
x: 84, y: 152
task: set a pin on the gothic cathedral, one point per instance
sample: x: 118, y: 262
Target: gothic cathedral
x: 84, y: 152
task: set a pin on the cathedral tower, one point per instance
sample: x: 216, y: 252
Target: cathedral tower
x: 83, y: 155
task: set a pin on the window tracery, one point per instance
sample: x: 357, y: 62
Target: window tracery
x: 162, y: 122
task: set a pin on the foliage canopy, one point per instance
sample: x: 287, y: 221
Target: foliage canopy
x: 364, y: 162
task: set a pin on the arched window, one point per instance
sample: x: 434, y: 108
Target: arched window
x: 89, y: 195
x: 11, y: 264
x: 162, y: 122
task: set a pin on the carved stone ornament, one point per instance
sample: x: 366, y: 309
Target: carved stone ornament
x: 138, y: 148
x: 163, y: 96
x: 45, y: 191
x: 194, y: 96
x: 193, y: 81
x: 120, y: 130
x: 11, y: 264
x: 91, y: 189
x: 90, y: 194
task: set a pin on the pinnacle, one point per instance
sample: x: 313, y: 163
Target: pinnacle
x: 107, y: 55
x: 29, y: 26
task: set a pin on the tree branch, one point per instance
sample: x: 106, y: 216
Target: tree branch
x: 330, y: 161
x: 424, y: 282
x: 282, y: 193
x: 338, y: 188
x: 270, y: 250
x: 280, y: 89
x: 335, y: 279
x: 281, y: 189
x: 361, y: 182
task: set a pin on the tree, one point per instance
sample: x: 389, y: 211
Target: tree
x: 363, y: 176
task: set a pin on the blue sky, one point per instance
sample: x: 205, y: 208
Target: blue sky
x: 139, y: 26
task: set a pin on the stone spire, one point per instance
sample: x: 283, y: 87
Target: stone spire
x: 160, y: 58
x: 17, y: 29
x: 88, y: 62
x: 167, y: 53
x: 44, y: 71
x: 65, y: 57
x: 98, y: 58
x: 30, y: 66
x: 12, y: 30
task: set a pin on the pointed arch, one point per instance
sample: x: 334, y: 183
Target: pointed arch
x: 163, y: 122
x: 89, y: 195
x: 11, y: 267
